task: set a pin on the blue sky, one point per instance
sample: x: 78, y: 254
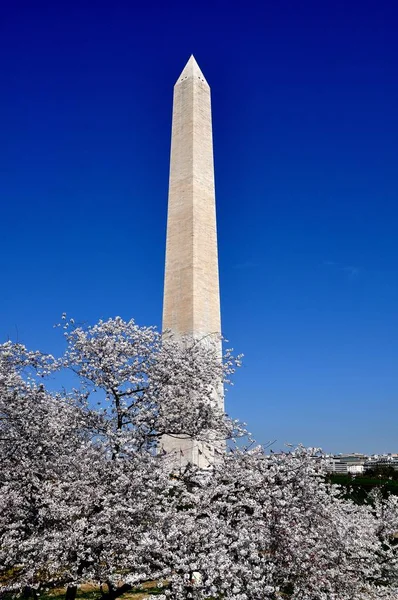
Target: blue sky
x: 305, y: 98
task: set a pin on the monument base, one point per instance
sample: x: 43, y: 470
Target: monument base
x: 184, y: 450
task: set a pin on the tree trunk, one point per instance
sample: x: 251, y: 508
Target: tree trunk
x: 71, y: 592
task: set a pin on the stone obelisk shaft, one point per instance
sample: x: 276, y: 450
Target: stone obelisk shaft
x: 191, y: 293
x: 191, y: 306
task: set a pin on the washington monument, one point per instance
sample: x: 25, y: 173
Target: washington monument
x: 191, y: 305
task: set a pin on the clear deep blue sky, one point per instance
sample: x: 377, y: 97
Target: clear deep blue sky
x: 305, y: 101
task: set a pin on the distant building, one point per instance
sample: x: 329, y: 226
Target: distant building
x: 348, y: 463
x: 382, y: 460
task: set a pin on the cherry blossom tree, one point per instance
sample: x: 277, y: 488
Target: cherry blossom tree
x: 268, y: 526
x: 99, y: 487
x: 85, y: 495
x: 70, y: 509
x: 43, y: 440
x: 150, y: 386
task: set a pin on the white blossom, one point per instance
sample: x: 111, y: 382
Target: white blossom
x: 85, y: 495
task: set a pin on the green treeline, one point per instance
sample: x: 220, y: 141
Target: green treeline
x: 357, y: 487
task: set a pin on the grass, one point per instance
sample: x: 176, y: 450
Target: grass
x: 90, y: 591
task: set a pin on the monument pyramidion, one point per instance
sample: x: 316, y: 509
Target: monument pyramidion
x: 191, y: 305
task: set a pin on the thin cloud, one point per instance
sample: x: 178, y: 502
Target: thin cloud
x: 350, y: 270
x: 353, y: 272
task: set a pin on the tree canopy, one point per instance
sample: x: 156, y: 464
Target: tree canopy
x: 86, y: 494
